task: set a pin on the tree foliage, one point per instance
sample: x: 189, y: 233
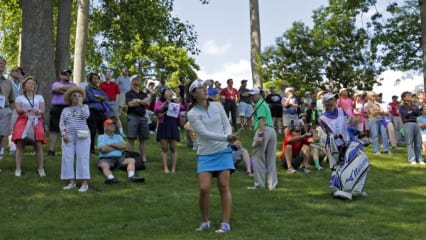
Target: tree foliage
x: 11, y: 22
x: 334, y: 54
x: 128, y: 33
x: 399, y: 36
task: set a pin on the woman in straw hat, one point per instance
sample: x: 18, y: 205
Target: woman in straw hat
x: 75, y: 139
x: 30, y: 107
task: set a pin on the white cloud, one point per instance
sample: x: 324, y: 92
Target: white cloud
x: 212, y: 48
x: 396, y: 82
x: 237, y: 71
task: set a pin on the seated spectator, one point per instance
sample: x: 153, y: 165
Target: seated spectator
x: 111, y: 147
x: 295, y: 151
x: 240, y: 153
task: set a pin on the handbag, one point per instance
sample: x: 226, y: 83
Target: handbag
x: 28, y: 135
x: 82, y: 134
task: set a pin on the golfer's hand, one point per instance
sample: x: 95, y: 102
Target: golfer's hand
x: 232, y: 137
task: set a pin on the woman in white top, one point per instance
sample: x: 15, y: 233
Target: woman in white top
x: 30, y: 107
x: 211, y: 125
x: 75, y: 140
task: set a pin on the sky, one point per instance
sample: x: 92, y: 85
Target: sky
x: 223, y: 29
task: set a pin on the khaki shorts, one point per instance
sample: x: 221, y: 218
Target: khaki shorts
x: 122, y: 99
x: 5, y: 120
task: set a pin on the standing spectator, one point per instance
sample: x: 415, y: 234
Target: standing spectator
x: 17, y: 74
x: 396, y: 118
x: 421, y: 121
x: 218, y: 87
x: 97, y: 100
x: 214, y: 157
x: 345, y: 102
x: 30, y: 107
x: 308, y: 106
x: 113, y: 92
x: 376, y: 125
x: 319, y: 106
x: 213, y: 91
x: 409, y: 113
x: 421, y: 99
x: 274, y: 101
x: 386, y: 120
x: 290, y: 106
x: 283, y: 87
x: 167, y: 131
x: 360, y: 105
x: 264, y: 144
x: 137, y: 122
x: 58, y: 104
x: 111, y: 147
x: 229, y: 96
x: 123, y: 82
x: 75, y: 140
x: 245, y: 104
x: 8, y: 99
x: 161, y: 86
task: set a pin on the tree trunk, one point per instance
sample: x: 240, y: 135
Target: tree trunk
x: 37, y: 56
x: 255, y: 42
x: 422, y: 6
x: 63, y: 36
x: 80, y: 40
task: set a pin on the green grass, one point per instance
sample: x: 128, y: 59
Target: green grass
x: 166, y: 206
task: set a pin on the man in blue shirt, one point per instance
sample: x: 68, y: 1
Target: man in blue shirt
x: 111, y: 147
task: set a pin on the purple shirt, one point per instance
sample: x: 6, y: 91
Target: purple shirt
x: 58, y: 99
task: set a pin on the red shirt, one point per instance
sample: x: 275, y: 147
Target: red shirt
x: 229, y: 94
x: 111, y: 89
x: 296, y: 146
x: 394, y: 108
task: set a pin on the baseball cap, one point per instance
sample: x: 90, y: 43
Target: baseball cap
x: 66, y: 72
x: 108, y: 122
x: 254, y: 91
x: 196, y: 84
x: 328, y: 96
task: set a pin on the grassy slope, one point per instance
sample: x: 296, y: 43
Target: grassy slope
x: 166, y: 206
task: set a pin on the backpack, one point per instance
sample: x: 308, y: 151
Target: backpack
x: 139, y: 163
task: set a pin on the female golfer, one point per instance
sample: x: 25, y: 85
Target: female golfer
x: 211, y: 125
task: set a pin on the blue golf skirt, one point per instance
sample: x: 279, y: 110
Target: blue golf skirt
x: 217, y: 161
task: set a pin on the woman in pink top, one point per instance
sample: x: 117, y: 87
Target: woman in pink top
x: 167, y: 130
x: 345, y: 102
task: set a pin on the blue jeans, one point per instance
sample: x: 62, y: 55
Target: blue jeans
x: 375, y: 126
x: 413, y: 138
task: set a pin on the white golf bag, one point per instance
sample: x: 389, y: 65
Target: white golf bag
x: 350, y: 167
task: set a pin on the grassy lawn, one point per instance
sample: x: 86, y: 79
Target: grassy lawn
x: 166, y: 206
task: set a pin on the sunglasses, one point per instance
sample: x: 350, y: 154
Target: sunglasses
x: 136, y: 85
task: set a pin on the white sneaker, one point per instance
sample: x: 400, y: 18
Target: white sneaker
x: 17, y: 172
x: 291, y: 171
x: 69, y: 186
x: 413, y: 163
x: 422, y: 163
x: 84, y: 188
x: 377, y: 153
x: 41, y: 172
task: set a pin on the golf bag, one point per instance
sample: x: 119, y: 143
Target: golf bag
x: 350, y: 167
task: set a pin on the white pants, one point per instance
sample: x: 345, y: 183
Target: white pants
x: 81, y: 149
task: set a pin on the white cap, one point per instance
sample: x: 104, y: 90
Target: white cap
x: 342, y: 90
x: 328, y: 96
x: 289, y: 89
x: 196, y: 84
x: 254, y: 91
x: 134, y: 77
